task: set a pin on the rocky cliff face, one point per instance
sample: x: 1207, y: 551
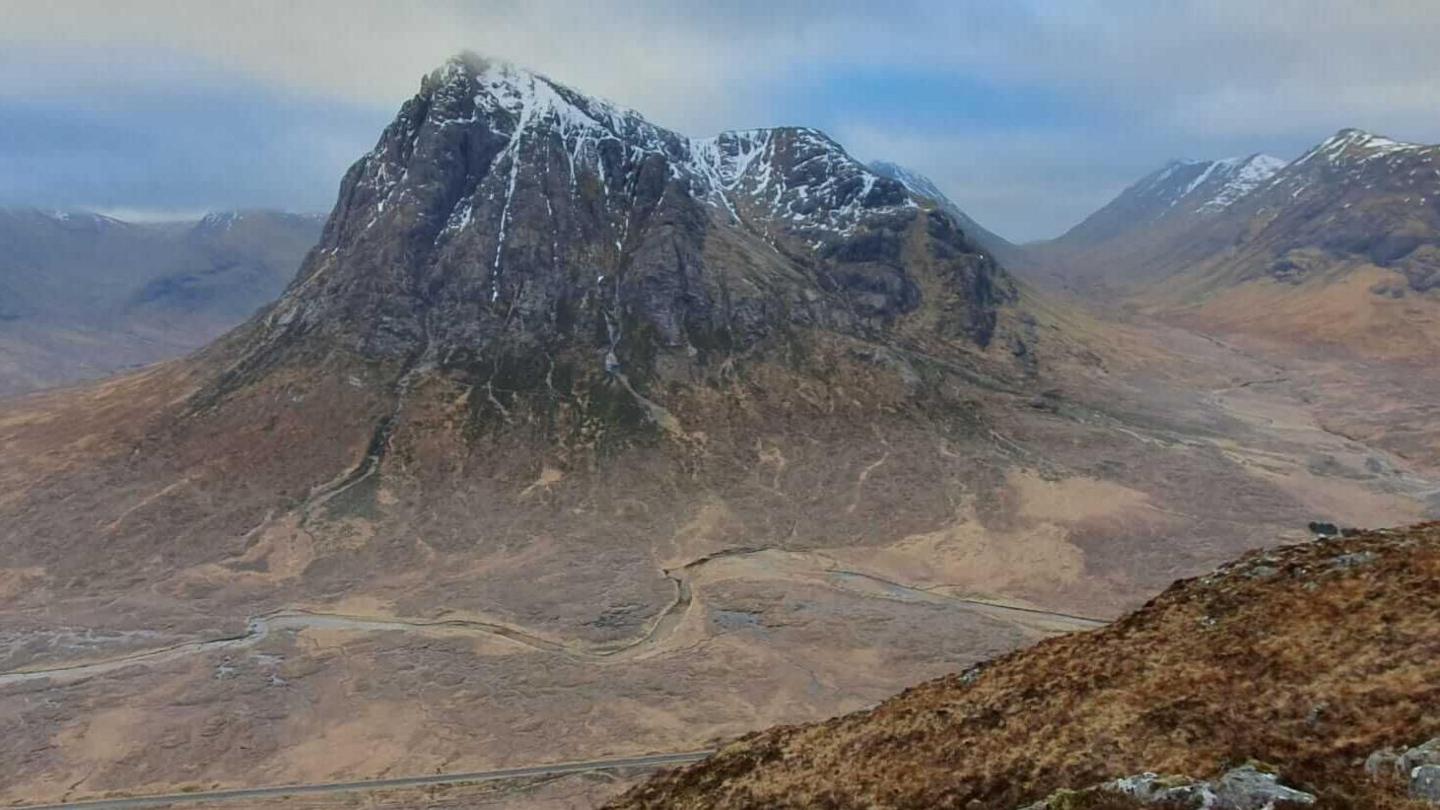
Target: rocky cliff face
x: 503, y: 215
x: 523, y: 283
x: 1006, y: 252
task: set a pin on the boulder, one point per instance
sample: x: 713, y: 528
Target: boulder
x: 1427, y: 753
x: 1425, y: 783
x: 1243, y: 788
x: 1249, y: 788
x: 1382, y: 763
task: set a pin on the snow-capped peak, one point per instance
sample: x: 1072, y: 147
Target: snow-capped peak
x: 1356, y: 144
x: 917, y: 183
x: 1205, y: 185
x: 799, y: 174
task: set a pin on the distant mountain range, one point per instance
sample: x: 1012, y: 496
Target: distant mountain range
x: 1339, y: 247
x: 82, y: 295
x: 1122, y: 242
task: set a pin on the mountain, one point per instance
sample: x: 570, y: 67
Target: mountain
x: 1335, y: 251
x: 1354, y: 197
x: 574, y: 438
x: 1130, y: 238
x: 1179, y: 189
x: 1006, y: 252
x: 82, y: 295
x: 1340, y: 250
x: 1278, y: 659
x: 570, y: 290
x: 530, y: 216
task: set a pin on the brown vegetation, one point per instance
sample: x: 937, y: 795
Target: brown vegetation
x: 1307, y: 658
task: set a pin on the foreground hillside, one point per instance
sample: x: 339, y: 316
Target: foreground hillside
x: 1307, y: 658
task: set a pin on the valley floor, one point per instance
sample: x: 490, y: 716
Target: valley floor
x: 1175, y: 452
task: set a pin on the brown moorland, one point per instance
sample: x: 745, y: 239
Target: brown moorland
x: 1306, y: 658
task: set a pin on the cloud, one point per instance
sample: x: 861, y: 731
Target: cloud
x: 1111, y: 88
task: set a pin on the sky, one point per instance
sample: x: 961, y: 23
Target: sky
x: 1030, y: 114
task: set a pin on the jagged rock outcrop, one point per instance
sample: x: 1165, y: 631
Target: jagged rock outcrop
x: 1425, y: 783
x: 1418, y: 768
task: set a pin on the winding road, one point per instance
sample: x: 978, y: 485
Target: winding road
x: 280, y: 791
x: 821, y: 568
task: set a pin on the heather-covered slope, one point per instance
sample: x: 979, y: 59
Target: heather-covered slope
x: 1307, y: 658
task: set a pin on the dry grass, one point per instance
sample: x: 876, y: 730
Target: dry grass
x: 1307, y: 657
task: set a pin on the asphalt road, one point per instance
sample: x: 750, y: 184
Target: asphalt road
x: 208, y: 796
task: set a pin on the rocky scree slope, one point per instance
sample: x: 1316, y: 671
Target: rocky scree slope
x: 1307, y: 658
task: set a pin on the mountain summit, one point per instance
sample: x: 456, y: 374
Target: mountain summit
x: 503, y: 213
x: 996, y: 245
x: 1347, y: 235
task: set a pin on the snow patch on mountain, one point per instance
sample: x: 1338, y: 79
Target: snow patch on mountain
x: 1359, y: 145
x: 795, y: 175
x: 1238, y: 177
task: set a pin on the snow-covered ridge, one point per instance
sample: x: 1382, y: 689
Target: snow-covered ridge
x: 1359, y: 145
x: 1206, y: 186
x: 917, y: 183
x: 1237, y: 177
x: 1356, y: 161
x: 793, y: 174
